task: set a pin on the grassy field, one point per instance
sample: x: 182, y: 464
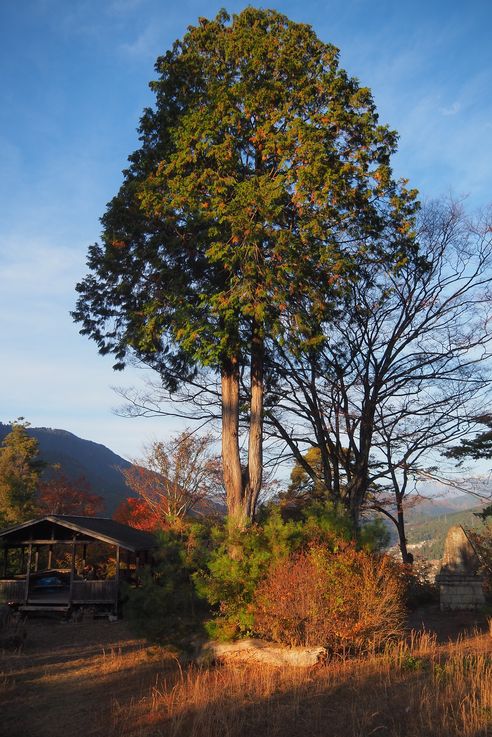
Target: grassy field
x: 93, y: 679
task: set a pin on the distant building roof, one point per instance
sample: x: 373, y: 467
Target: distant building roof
x: 99, y: 528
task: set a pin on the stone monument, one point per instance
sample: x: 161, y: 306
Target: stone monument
x: 460, y: 585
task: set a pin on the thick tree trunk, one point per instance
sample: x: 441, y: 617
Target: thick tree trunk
x: 255, y: 445
x: 359, y: 485
x: 356, y: 493
x: 243, y: 485
x: 231, y: 458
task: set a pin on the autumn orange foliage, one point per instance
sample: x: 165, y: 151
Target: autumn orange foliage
x: 137, y: 513
x: 61, y: 495
x: 346, y: 600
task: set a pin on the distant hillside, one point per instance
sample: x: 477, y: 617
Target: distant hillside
x: 428, y: 522
x: 438, y: 506
x: 427, y: 536
x: 78, y: 457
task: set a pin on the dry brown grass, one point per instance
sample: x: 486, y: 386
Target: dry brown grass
x: 95, y: 680
x: 415, y: 689
x: 64, y: 681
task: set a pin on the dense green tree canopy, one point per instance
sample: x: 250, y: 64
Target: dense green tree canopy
x: 20, y: 468
x: 262, y: 183
x: 262, y: 169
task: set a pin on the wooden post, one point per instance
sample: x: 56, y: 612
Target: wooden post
x: 72, y: 572
x: 84, y: 556
x: 117, y: 579
x: 5, y: 561
x: 28, y: 572
x: 36, y: 559
x: 50, y: 549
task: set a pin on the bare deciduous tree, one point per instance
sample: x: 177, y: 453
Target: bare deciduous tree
x: 402, y: 371
x: 177, y: 477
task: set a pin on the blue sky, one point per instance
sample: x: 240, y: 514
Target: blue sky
x: 74, y: 77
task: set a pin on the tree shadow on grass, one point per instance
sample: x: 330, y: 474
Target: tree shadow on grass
x: 448, y: 626
x: 64, y: 689
x: 442, y: 695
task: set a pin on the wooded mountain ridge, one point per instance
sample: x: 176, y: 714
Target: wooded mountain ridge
x: 77, y: 457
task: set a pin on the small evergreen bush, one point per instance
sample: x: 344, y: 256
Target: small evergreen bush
x: 164, y: 606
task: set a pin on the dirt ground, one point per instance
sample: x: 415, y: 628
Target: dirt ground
x: 448, y: 626
x: 72, y: 679
x: 68, y: 678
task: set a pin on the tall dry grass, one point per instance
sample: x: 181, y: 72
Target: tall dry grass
x: 414, y: 689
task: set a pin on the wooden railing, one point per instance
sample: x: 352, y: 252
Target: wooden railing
x: 12, y: 591
x: 91, y: 592
x: 94, y: 591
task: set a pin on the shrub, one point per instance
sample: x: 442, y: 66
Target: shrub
x: 242, y: 558
x: 164, y: 606
x: 481, y: 540
x: 419, y: 584
x: 345, y: 599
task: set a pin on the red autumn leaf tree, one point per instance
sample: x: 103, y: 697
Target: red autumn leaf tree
x: 61, y: 495
x: 136, y: 513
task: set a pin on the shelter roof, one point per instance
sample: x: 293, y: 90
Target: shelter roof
x: 66, y: 525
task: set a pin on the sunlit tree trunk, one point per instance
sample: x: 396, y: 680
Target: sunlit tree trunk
x: 243, y: 484
x: 231, y: 458
x: 254, y: 472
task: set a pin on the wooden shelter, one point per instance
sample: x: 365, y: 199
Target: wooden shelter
x: 40, y: 587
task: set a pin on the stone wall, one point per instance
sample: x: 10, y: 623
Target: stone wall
x: 460, y: 592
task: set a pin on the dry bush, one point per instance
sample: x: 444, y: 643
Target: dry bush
x: 344, y: 600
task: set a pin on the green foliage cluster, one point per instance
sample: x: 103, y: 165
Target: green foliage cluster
x: 164, y: 607
x: 20, y: 468
x: 207, y: 574
x: 478, y: 447
x: 241, y: 559
x: 262, y: 176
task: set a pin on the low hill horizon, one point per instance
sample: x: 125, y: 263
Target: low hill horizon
x: 426, y: 523
x: 79, y: 457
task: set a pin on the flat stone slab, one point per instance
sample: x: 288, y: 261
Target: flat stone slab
x: 258, y: 651
x: 460, y: 587
x: 459, y: 556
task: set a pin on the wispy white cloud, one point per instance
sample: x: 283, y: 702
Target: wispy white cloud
x: 31, y: 269
x: 451, y: 110
x: 144, y: 45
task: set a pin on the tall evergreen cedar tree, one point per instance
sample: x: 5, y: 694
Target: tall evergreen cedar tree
x: 262, y: 184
